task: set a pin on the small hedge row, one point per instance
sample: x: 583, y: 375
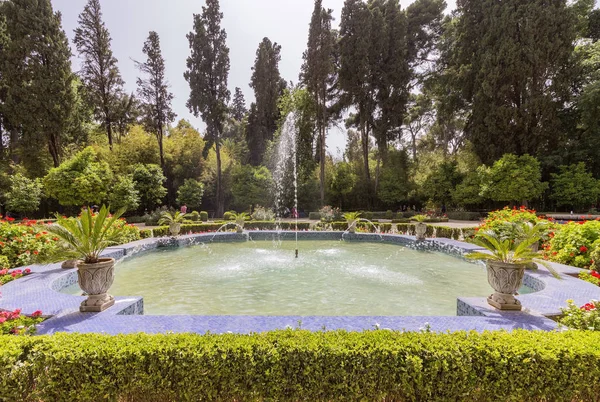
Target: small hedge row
x: 295, y: 365
x: 438, y: 231
x: 213, y: 227
x: 363, y: 226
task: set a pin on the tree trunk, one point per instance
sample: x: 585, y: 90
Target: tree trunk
x: 160, y: 149
x: 53, y: 149
x: 14, y: 139
x: 109, y: 133
x: 365, y: 150
x: 220, y: 201
x: 323, y: 130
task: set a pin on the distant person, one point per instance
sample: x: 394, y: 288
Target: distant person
x: 183, y: 209
x: 443, y: 209
x: 294, y: 213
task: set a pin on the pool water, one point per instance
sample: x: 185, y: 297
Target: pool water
x: 329, y: 278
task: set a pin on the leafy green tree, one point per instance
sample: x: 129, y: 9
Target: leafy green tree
x: 514, y: 179
x: 575, y: 187
x: 238, y: 105
x: 342, y: 182
x: 123, y: 194
x: 268, y: 86
x: 251, y: 186
x: 24, y: 195
x: 127, y: 114
x: 148, y: 180
x: 509, y: 64
x: 207, y: 75
x: 441, y: 183
x: 318, y: 74
x: 184, y: 148
x: 100, y: 72
x: 39, y: 92
x: 82, y: 180
x: 153, y: 90
x: 468, y: 193
x: 395, y: 184
x: 190, y: 193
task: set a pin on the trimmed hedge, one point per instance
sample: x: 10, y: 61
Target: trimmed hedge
x: 314, y: 216
x: 295, y: 365
x: 204, y: 216
x: 213, y: 227
x: 465, y: 216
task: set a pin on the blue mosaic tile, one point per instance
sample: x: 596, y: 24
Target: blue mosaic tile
x: 41, y: 291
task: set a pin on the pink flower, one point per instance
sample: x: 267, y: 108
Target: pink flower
x: 4, y: 272
x: 36, y: 314
x: 27, y: 271
x: 2, y: 319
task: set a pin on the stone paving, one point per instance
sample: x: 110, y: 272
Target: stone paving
x: 40, y: 291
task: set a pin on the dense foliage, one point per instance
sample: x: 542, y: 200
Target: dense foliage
x: 300, y: 365
x: 574, y: 242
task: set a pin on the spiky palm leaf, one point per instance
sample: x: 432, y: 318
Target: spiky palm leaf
x: 84, y: 237
x: 351, y: 216
x: 509, y: 251
x: 166, y: 218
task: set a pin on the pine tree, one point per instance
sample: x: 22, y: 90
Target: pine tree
x: 153, y: 91
x: 238, y: 105
x: 318, y: 75
x: 268, y: 86
x: 207, y: 75
x: 100, y: 72
x: 128, y: 111
x: 39, y: 92
x: 4, y: 42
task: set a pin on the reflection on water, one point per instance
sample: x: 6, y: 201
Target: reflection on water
x: 329, y: 278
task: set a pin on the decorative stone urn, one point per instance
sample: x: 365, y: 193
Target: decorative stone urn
x: 505, y: 279
x: 69, y: 264
x: 240, y: 225
x: 95, y: 280
x: 174, y: 228
x: 420, y: 230
x: 352, y: 226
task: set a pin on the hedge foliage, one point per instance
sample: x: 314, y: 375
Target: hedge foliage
x: 213, y: 227
x: 295, y: 365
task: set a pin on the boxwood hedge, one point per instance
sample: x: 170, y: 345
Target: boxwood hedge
x: 296, y: 365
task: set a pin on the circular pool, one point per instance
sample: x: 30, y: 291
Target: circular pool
x: 330, y: 278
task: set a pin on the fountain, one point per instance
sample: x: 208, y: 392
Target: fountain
x: 286, y: 153
x: 375, y: 228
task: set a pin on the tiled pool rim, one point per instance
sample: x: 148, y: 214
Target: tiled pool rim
x: 41, y: 291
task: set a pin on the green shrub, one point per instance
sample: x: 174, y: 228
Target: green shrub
x: 464, y: 216
x: 573, y: 243
x: 204, y: 216
x: 389, y: 214
x: 194, y: 216
x: 229, y: 215
x: 20, y: 242
x: 153, y: 218
x: 595, y: 256
x: 145, y: 233
x: 136, y: 219
x: 303, y: 366
x: 401, y: 220
x: 590, y: 276
x: 408, y: 214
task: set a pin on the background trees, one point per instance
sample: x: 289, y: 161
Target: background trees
x: 207, y: 74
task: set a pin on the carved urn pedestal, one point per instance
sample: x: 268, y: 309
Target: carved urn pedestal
x: 174, y: 228
x: 505, y: 279
x: 95, y: 280
x: 421, y: 231
x: 352, y: 226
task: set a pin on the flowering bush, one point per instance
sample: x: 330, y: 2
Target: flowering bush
x: 20, y: 242
x: 595, y: 258
x: 573, y: 243
x: 16, y: 324
x: 330, y: 214
x: 263, y: 214
x: 496, y: 220
x: 8, y: 276
x: 586, y: 317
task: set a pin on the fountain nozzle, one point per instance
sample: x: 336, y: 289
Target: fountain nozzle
x: 296, y: 253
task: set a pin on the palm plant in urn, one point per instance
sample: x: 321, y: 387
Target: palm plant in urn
x: 420, y: 227
x: 352, y: 218
x: 506, y: 260
x: 84, y: 239
x: 173, y: 220
x: 240, y: 221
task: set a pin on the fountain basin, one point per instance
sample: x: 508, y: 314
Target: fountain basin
x: 330, y: 278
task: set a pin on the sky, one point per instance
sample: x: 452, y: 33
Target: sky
x: 247, y: 22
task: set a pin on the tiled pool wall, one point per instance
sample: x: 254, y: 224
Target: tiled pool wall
x: 42, y: 291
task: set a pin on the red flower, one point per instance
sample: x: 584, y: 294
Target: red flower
x: 10, y: 219
x: 2, y: 319
x: 4, y: 272
x: 14, y: 274
x: 572, y: 254
x: 36, y: 314
x: 36, y: 252
x: 554, y: 252
x: 588, y: 307
x: 583, y: 249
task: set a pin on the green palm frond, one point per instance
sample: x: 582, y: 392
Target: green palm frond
x: 351, y: 216
x: 166, y: 218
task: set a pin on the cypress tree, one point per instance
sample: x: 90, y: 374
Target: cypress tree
x: 268, y: 86
x: 318, y: 75
x: 154, y: 92
x: 207, y: 75
x: 39, y: 91
x: 100, y: 72
x: 4, y: 41
x: 510, y: 67
x: 238, y: 105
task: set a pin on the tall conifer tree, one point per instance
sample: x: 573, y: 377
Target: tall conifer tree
x: 100, y: 72
x: 268, y: 86
x: 207, y: 75
x: 153, y: 90
x: 39, y: 91
x: 238, y: 105
x: 318, y: 74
